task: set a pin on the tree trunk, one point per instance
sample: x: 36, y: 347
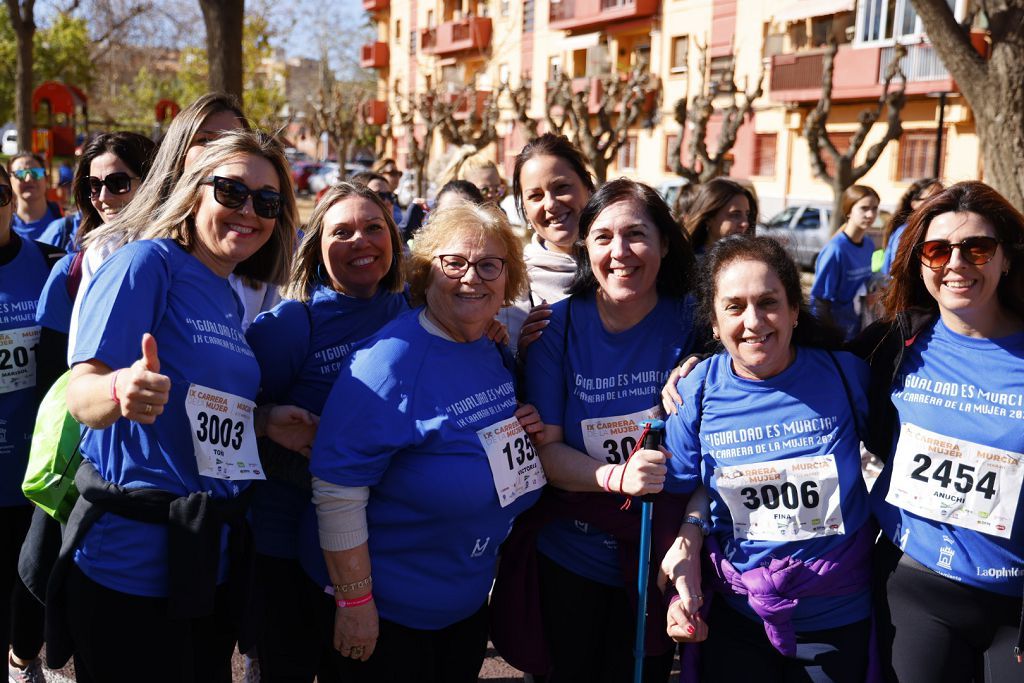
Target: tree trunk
x: 224, y: 21
x: 600, y: 166
x: 24, y: 26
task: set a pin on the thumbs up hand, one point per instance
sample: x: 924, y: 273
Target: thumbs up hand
x: 140, y: 389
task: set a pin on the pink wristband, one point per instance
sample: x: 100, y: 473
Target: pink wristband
x: 608, y: 477
x: 356, y: 602
x: 113, y: 387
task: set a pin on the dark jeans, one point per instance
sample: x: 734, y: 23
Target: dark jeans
x: 122, y: 638
x: 590, y: 630
x: 453, y: 654
x: 21, y: 615
x: 738, y: 650
x: 294, y: 645
x: 936, y: 630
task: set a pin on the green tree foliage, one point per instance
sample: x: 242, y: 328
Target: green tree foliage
x: 61, y: 52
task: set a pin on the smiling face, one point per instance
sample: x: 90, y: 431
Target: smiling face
x: 31, y: 191
x: 625, y: 251
x: 965, y: 293
x: 108, y: 204
x: 731, y: 219
x: 225, y: 237
x: 466, y: 305
x: 213, y: 126
x: 753, y: 318
x: 355, y: 247
x: 553, y: 197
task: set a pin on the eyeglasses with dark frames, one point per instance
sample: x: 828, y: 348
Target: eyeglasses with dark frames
x: 487, y: 269
x: 977, y: 251
x: 234, y: 193
x: 116, y: 183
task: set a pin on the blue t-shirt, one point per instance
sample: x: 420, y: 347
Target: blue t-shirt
x: 156, y: 286
x: 890, y: 249
x: 585, y: 373
x: 62, y: 232
x: 402, y: 419
x: 841, y: 270
x: 729, y: 422
x: 34, y: 230
x: 55, y: 303
x: 982, y: 402
x: 301, y: 348
x: 20, y: 283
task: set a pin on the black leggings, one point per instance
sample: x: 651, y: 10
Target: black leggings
x: 936, y: 630
x: 21, y: 615
x: 738, y: 650
x: 590, y: 630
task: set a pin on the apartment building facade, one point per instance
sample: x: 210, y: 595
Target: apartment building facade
x: 444, y: 45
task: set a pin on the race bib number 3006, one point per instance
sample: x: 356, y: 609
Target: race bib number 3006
x: 955, y: 481
x: 783, y: 500
x: 515, y: 465
x: 223, y: 434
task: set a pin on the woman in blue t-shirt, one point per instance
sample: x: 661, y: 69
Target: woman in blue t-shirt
x: 843, y: 267
x: 947, y: 371
x: 914, y: 197
x: 594, y: 375
x: 30, y: 183
x: 423, y: 461
x: 345, y: 285
x: 154, y: 564
x: 772, y: 425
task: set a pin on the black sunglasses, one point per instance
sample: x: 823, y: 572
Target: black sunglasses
x: 6, y: 195
x: 387, y: 197
x: 234, y: 193
x: 977, y: 251
x: 116, y: 183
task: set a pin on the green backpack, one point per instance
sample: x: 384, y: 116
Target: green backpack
x: 54, y: 456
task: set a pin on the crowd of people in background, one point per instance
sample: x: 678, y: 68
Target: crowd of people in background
x: 358, y: 447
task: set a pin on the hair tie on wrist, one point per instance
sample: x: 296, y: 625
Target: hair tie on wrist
x: 113, y: 386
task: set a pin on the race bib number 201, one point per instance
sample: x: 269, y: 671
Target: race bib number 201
x: 18, y: 358
x: 223, y: 434
x: 514, y: 462
x: 954, y: 481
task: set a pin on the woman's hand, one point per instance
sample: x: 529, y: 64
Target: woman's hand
x: 533, y: 326
x: 670, y: 398
x: 289, y: 426
x: 684, y: 627
x: 681, y: 567
x: 643, y: 474
x: 141, y: 390
x: 356, y: 630
x: 497, y: 332
x: 529, y: 420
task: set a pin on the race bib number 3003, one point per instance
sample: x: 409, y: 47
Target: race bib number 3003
x: 783, y: 500
x: 515, y: 465
x: 955, y: 481
x: 223, y: 434
x: 18, y: 358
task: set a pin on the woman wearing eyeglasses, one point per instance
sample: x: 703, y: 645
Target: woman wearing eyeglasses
x: 721, y: 207
x: 946, y: 405
x: 154, y: 564
x: 29, y: 180
x: 424, y: 460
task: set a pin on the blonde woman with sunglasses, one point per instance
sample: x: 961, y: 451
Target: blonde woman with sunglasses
x: 946, y: 407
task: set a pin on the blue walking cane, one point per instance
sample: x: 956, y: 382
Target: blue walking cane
x: 654, y: 430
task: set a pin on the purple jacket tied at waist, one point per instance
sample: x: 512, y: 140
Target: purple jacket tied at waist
x: 517, y: 629
x: 773, y: 592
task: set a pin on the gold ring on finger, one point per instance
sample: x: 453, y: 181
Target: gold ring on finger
x: 148, y: 410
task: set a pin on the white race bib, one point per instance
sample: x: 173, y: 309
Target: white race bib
x: 514, y: 463
x: 955, y: 481
x: 223, y: 434
x: 783, y: 500
x: 18, y: 358
x: 612, y: 439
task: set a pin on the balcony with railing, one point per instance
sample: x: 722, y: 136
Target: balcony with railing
x: 375, y: 112
x: 471, y: 33
x: 376, y: 5
x: 374, y: 55
x: 468, y: 103
x: 571, y: 15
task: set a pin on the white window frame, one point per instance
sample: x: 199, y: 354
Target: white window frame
x: 865, y: 8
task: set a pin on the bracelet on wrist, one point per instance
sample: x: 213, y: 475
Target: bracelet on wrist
x: 354, y: 602
x: 354, y: 586
x: 607, y: 479
x: 113, y: 386
x: 704, y: 527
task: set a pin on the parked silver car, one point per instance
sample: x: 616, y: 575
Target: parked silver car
x: 803, y: 229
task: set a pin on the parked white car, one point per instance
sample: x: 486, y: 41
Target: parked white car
x: 9, y: 142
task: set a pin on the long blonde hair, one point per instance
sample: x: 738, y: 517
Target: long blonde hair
x: 177, y: 221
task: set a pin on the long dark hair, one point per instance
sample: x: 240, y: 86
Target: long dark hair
x: 548, y: 145
x: 907, y: 289
x: 905, y: 206
x: 710, y: 198
x: 675, y: 275
x: 809, y: 331
x: 136, y: 151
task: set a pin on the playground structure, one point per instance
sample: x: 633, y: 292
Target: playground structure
x: 61, y: 113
